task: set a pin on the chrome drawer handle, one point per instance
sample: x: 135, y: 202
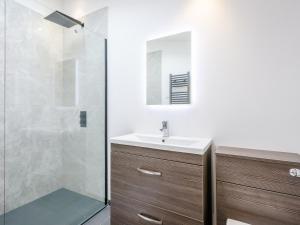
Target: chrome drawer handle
x: 150, y: 220
x: 295, y: 172
x: 148, y: 172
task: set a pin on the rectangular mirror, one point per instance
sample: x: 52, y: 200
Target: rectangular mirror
x: 168, y: 70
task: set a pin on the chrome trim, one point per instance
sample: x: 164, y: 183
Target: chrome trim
x: 294, y: 172
x: 150, y: 220
x: 148, y: 172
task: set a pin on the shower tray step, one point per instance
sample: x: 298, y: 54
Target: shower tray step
x: 62, y: 207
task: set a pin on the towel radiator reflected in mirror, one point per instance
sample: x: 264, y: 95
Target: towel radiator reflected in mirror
x: 180, y: 89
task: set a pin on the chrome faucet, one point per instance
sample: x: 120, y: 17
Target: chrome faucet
x: 165, y: 129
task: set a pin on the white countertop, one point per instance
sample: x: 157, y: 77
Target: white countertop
x: 177, y: 144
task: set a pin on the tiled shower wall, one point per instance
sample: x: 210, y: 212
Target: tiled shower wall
x: 45, y: 147
x: 154, y: 78
x: 33, y: 122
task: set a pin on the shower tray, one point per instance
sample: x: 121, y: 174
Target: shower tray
x: 62, y: 207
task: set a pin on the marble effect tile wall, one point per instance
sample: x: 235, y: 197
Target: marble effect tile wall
x: 154, y: 78
x: 33, y: 122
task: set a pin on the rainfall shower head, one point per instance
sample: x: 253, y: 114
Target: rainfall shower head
x: 63, y: 20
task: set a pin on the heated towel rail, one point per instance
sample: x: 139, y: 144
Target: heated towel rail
x: 180, y: 89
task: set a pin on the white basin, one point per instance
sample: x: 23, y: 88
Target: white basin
x: 173, y: 143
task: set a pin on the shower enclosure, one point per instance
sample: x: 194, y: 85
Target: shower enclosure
x: 52, y: 114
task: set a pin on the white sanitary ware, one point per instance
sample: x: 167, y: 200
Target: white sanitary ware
x: 234, y: 222
x: 172, y: 143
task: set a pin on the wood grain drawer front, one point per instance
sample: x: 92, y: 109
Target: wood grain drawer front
x: 132, y: 212
x: 255, y: 206
x: 258, y: 174
x: 177, y: 187
x: 161, y: 154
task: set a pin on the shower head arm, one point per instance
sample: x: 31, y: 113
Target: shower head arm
x: 63, y: 19
x: 73, y: 19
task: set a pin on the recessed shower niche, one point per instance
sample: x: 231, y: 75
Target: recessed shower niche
x: 52, y: 169
x: 66, y: 85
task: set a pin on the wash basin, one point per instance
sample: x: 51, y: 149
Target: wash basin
x: 172, y: 143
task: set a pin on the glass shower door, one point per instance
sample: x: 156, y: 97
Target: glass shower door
x: 54, y: 117
x: 2, y: 69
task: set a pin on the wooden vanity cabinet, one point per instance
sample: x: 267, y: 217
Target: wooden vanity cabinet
x: 151, y: 186
x: 256, y: 187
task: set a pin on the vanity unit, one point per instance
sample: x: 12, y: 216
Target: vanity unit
x: 257, y: 187
x: 159, y: 181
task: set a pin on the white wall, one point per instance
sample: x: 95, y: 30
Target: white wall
x: 246, y: 70
x: 80, y: 8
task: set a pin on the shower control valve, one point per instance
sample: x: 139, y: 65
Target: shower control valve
x: 83, y: 119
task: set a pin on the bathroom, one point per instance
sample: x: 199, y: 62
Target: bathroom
x: 82, y: 117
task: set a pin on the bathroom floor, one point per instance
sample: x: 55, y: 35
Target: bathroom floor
x: 102, y: 218
x: 62, y: 207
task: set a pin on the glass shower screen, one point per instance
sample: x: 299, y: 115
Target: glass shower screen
x: 53, y: 99
x: 2, y: 67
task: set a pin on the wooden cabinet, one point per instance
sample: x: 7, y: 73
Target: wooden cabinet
x: 256, y: 187
x: 158, y: 187
x: 128, y: 211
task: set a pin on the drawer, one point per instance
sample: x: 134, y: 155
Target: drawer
x: 132, y: 212
x: 255, y: 206
x: 161, y: 154
x: 173, y: 186
x: 259, y: 174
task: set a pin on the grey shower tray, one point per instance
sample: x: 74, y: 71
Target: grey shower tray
x: 62, y: 207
